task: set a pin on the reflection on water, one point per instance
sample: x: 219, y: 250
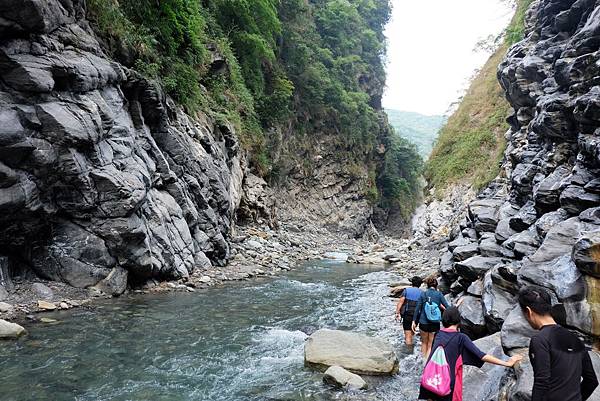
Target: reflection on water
x: 243, y: 341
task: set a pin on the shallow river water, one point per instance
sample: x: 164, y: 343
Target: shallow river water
x: 239, y: 342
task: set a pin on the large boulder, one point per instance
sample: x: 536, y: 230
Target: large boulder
x: 471, y: 312
x: 476, y: 266
x: 340, y: 377
x: 465, y: 251
x: 485, y: 214
x: 483, y: 384
x: 516, y: 332
x: 586, y: 254
x: 559, y: 275
x: 115, y: 283
x: 497, y: 303
x: 355, y: 352
x: 10, y: 330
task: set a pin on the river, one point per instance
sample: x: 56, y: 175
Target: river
x: 239, y: 342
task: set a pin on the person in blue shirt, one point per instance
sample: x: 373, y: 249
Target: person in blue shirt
x: 405, y: 309
x: 430, y: 298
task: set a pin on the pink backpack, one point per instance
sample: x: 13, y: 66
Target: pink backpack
x: 436, y: 375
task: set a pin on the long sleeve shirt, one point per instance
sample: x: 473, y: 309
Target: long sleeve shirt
x: 562, y: 367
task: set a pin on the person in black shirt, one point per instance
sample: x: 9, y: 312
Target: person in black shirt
x: 562, y: 367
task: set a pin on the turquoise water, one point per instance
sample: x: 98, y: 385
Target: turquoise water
x: 239, y: 342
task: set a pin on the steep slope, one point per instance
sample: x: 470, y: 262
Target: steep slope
x: 470, y: 146
x: 538, y: 222
x: 419, y: 129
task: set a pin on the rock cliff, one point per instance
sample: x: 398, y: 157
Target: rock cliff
x: 538, y: 223
x: 100, y: 171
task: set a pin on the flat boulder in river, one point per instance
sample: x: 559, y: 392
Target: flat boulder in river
x: 10, y: 330
x: 355, y: 352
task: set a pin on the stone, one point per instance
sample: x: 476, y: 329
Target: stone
x: 252, y: 244
x: 457, y: 242
x: 3, y: 293
x: 115, y: 283
x: 524, y: 218
x: 44, y: 305
x: 340, y: 377
x: 574, y: 199
x: 524, y: 243
x: 547, y: 193
x: 490, y: 248
x: 516, y: 332
x: 48, y: 320
x: 549, y: 220
x: 484, y: 213
x: 482, y: 384
x: 586, y: 254
x: 521, y: 390
x: 473, y: 321
x: 447, y: 266
x: 205, y: 279
x: 42, y: 291
x: 5, y: 307
x: 355, y: 352
x: 559, y: 275
x: 465, y: 251
x: 475, y: 267
x: 503, y: 231
x: 497, y: 303
x: 10, y: 330
x: 476, y: 288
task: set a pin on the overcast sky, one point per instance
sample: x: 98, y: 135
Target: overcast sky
x: 430, y: 50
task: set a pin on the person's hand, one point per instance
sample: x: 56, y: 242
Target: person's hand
x: 513, y: 360
x: 396, y: 316
x: 414, y: 327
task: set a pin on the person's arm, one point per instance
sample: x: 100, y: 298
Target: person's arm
x: 590, y: 381
x: 444, y: 302
x: 497, y: 361
x: 399, y: 306
x: 539, y: 354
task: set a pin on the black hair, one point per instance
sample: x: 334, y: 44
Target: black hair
x: 431, y: 282
x: 535, y: 298
x: 451, y: 316
x: 416, y: 281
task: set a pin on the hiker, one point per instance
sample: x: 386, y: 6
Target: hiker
x: 428, y: 314
x: 405, y: 309
x: 562, y: 367
x: 442, y: 375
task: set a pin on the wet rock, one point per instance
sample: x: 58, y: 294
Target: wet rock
x: 547, y: 193
x: 549, y: 220
x: 521, y: 390
x: 516, y: 332
x: 115, y: 283
x: 586, y: 254
x: 559, y: 275
x: 476, y: 288
x: 447, y: 266
x: 473, y: 321
x: 482, y: 384
x: 475, y: 267
x: 574, y: 199
x: 355, y: 352
x: 42, y: 291
x: 457, y: 287
x: 485, y: 213
x: 524, y: 243
x: 497, y: 304
x: 524, y: 218
x: 340, y: 377
x: 490, y: 248
x: 458, y: 242
x: 522, y: 179
x: 504, y: 231
x: 10, y: 330
x: 465, y: 251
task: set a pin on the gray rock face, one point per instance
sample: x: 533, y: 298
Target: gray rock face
x: 516, y: 332
x: 484, y: 384
x: 355, y: 352
x: 496, y: 302
x: 586, y: 254
x: 98, y: 169
x: 473, y: 321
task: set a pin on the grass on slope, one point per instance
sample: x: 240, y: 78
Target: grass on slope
x: 471, y: 145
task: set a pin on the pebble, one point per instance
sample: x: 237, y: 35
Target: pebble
x: 44, y: 305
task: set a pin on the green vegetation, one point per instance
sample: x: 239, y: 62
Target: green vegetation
x: 310, y: 68
x: 471, y: 145
x: 419, y: 129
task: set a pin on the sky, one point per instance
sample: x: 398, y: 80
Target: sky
x: 431, y: 50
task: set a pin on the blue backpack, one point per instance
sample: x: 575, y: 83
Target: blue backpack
x: 432, y: 311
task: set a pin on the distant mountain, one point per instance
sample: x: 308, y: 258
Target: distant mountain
x: 420, y: 129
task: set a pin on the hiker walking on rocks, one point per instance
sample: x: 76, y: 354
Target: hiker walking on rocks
x: 405, y: 309
x: 562, y: 367
x: 428, y: 314
x: 442, y: 375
